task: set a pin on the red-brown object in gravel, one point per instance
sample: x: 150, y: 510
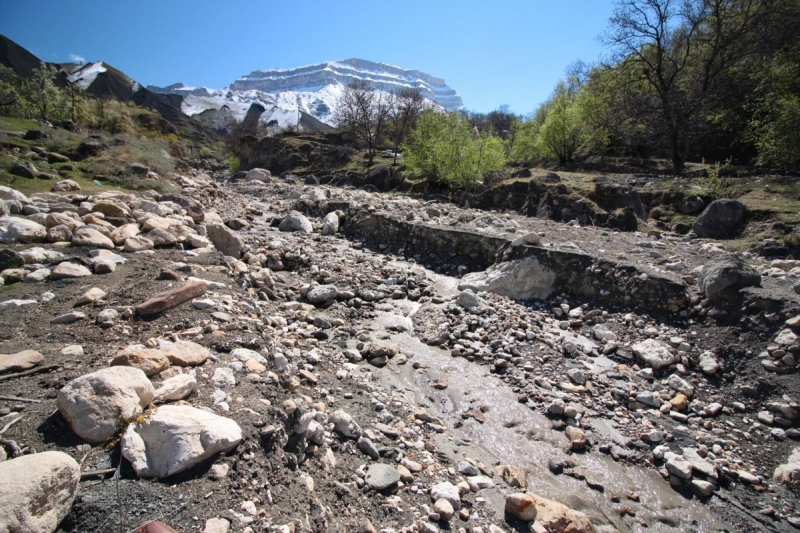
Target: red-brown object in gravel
x: 169, y: 299
x: 155, y: 527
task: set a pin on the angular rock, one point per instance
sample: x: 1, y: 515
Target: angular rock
x: 447, y: 491
x: 789, y: 473
x: 521, y: 506
x: 169, y: 299
x: 558, y: 517
x: 521, y: 279
x: 225, y: 240
x: 723, y: 276
x: 37, y: 491
x: 175, y: 438
x: 175, y: 388
x: 655, y: 353
x: 96, y: 405
x: 381, y: 476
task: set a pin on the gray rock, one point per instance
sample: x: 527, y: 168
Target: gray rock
x: 380, y: 476
x: 68, y: 318
x: 322, y: 294
x: 721, y: 219
x: 295, y: 221
x: 467, y: 469
x: 225, y: 240
x: 16, y: 229
x: 522, y: 279
x: 330, y: 225
x: 723, y: 276
x: 367, y: 447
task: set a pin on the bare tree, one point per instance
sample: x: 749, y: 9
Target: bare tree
x: 406, y: 108
x: 680, y: 49
x: 365, y: 112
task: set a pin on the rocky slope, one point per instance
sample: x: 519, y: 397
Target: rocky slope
x: 263, y: 355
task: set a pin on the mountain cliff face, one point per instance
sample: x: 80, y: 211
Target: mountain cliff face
x: 378, y: 75
x: 287, y: 94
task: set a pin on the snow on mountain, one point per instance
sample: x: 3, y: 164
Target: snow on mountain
x: 85, y: 75
x: 313, y: 89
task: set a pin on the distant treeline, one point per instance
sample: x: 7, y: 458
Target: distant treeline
x: 684, y: 80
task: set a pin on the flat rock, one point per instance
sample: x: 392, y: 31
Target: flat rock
x: 91, y: 237
x: 37, y: 491
x: 96, y: 405
x: 175, y: 438
x: 381, y: 476
x: 175, y: 388
x: 16, y: 229
x: 91, y: 296
x: 225, y: 240
x: 68, y: 318
x: 69, y: 270
x: 149, y: 361
x: 185, y: 353
x: 24, y: 360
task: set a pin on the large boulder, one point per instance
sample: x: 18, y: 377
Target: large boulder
x: 611, y: 196
x: 37, y: 491
x: 520, y: 279
x: 16, y: 229
x: 259, y: 174
x: 225, y: 240
x: 175, y: 438
x: 294, y: 221
x: 724, y: 275
x: 96, y: 405
x: 721, y: 219
x: 7, y: 193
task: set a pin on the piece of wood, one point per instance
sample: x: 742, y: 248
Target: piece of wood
x: 5, y: 428
x: 169, y: 299
x: 17, y: 399
x: 29, y: 372
x: 101, y: 472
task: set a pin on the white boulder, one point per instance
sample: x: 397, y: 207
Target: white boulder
x: 175, y: 438
x: 96, y: 405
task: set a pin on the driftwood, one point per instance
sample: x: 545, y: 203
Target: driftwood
x: 17, y: 399
x: 93, y: 473
x: 30, y: 372
x: 169, y: 299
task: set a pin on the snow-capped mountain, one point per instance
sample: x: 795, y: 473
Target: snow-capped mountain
x: 314, y: 90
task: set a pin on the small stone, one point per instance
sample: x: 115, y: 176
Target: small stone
x: 381, y: 476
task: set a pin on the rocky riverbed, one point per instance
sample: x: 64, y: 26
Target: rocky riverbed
x: 273, y: 356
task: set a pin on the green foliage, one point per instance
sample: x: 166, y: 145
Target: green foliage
x: 562, y: 130
x: 126, y: 149
x: 775, y: 126
x: 233, y: 162
x: 713, y: 186
x: 449, y: 152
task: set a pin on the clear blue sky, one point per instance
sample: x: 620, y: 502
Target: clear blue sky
x: 492, y: 52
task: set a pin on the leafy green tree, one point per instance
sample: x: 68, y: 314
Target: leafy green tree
x: 561, y: 132
x: 447, y: 150
x: 41, y: 97
x: 9, y: 91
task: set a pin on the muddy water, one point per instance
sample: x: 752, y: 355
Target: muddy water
x: 514, y: 434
